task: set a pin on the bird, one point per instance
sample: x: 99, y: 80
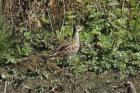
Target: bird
x: 130, y: 87
x: 70, y: 47
x: 65, y: 50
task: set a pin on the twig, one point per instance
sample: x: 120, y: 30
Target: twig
x: 5, y: 87
x: 122, y: 10
x: 64, y: 10
x: 53, y: 89
x: 50, y: 19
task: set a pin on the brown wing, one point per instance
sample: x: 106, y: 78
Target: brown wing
x: 63, y: 50
x: 64, y: 47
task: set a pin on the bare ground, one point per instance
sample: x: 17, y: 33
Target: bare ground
x: 48, y: 78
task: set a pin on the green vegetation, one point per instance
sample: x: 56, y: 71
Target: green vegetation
x: 110, y: 40
x: 5, y: 44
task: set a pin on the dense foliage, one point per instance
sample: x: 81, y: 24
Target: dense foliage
x: 109, y: 41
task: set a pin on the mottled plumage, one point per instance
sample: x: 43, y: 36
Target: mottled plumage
x: 71, y: 47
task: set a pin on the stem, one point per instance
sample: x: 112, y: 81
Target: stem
x: 5, y: 87
x: 64, y: 10
x: 50, y: 20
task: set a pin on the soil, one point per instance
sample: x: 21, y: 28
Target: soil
x: 27, y: 77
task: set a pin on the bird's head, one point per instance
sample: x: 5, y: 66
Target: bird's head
x: 79, y: 28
